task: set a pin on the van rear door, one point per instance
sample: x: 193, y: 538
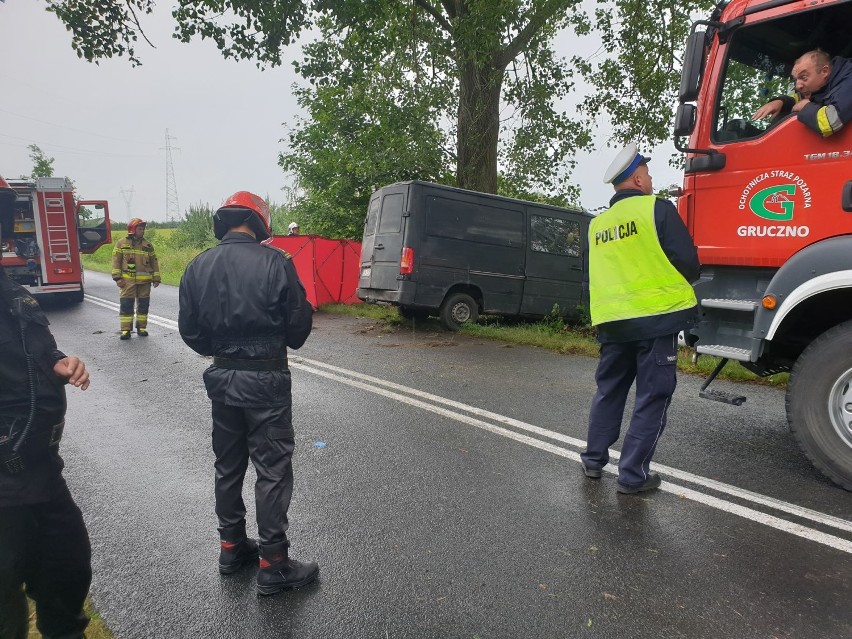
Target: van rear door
x: 555, y: 263
x: 381, y: 249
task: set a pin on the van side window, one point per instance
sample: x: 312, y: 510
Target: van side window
x: 474, y: 222
x: 555, y: 235
x: 391, y: 213
x: 372, y: 214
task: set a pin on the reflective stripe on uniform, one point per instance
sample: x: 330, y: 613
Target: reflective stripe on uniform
x: 828, y: 120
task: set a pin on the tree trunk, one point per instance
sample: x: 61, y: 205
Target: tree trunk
x: 478, y: 127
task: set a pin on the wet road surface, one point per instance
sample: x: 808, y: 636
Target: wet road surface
x: 438, y: 485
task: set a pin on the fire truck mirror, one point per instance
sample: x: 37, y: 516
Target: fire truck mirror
x: 684, y: 120
x: 693, y: 63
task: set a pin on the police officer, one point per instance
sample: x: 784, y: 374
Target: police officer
x: 135, y: 269
x: 242, y: 302
x: 641, y: 263
x: 44, y: 545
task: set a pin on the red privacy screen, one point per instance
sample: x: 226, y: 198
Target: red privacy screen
x: 328, y: 268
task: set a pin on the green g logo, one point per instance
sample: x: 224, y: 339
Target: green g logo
x: 773, y: 203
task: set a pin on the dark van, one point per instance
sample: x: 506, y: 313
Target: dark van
x: 433, y: 249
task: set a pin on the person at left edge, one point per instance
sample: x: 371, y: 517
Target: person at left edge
x: 44, y: 545
x: 135, y: 269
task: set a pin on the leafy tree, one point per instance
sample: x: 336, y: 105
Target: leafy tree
x: 428, y: 87
x: 42, y: 165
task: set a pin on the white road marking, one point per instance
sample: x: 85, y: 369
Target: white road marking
x: 113, y: 306
x: 746, y: 495
x: 810, y: 534
x: 407, y: 395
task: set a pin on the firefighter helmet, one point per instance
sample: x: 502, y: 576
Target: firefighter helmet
x: 243, y: 207
x: 132, y: 224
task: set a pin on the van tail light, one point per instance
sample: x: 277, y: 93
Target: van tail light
x: 406, y: 264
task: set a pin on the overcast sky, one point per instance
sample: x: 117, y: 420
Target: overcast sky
x: 105, y: 124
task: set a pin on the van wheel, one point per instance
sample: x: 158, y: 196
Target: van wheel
x: 819, y: 403
x: 457, y: 309
x: 413, y: 313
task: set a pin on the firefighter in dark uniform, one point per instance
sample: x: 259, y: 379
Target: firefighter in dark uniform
x: 44, y: 546
x: 242, y: 302
x: 641, y: 263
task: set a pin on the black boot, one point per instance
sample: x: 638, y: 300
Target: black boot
x: 236, y: 550
x: 279, y: 572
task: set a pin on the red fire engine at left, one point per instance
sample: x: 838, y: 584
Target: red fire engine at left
x: 44, y: 233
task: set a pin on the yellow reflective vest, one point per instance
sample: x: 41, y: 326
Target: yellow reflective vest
x: 629, y: 273
x: 135, y: 259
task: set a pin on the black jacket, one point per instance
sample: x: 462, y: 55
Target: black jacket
x: 680, y: 249
x: 42, y: 477
x: 242, y: 300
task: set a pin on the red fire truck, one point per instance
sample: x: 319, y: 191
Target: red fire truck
x: 769, y: 205
x: 43, y: 235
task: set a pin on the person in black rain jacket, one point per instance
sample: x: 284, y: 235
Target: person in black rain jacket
x: 242, y: 302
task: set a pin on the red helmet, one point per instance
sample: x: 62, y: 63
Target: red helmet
x: 132, y: 224
x: 243, y: 207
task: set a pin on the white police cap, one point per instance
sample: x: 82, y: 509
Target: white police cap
x: 622, y: 167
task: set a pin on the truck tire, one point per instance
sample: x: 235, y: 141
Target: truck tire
x: 457, y: 309
x: 819, y: 403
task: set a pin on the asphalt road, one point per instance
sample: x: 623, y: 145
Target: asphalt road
x: 438, y: 485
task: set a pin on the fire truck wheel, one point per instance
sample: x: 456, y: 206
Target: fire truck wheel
x: 819, y: 403
x: 457, y: 309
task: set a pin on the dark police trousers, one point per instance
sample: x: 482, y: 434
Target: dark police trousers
x: 652, y: 363
x: 46, y: 547
x: 266, y: 435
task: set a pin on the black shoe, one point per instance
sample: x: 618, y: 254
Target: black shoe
x: 234, y: 556
x: 285, y: 575
x: 124, y: 335
x: 593, y: 473
x: 651, y: 483
x: 142, y: 332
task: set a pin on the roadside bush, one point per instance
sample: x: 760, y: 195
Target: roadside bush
x: 195, y: 231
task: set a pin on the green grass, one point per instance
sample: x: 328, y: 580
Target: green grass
x: 567, y: 340
x: 172, y: 261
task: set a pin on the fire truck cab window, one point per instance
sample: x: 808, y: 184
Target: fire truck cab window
x: 760, y: 58
x: 751, y: 78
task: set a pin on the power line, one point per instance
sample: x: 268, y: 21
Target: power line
x: 68, y: 128
x: 68, y: 149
